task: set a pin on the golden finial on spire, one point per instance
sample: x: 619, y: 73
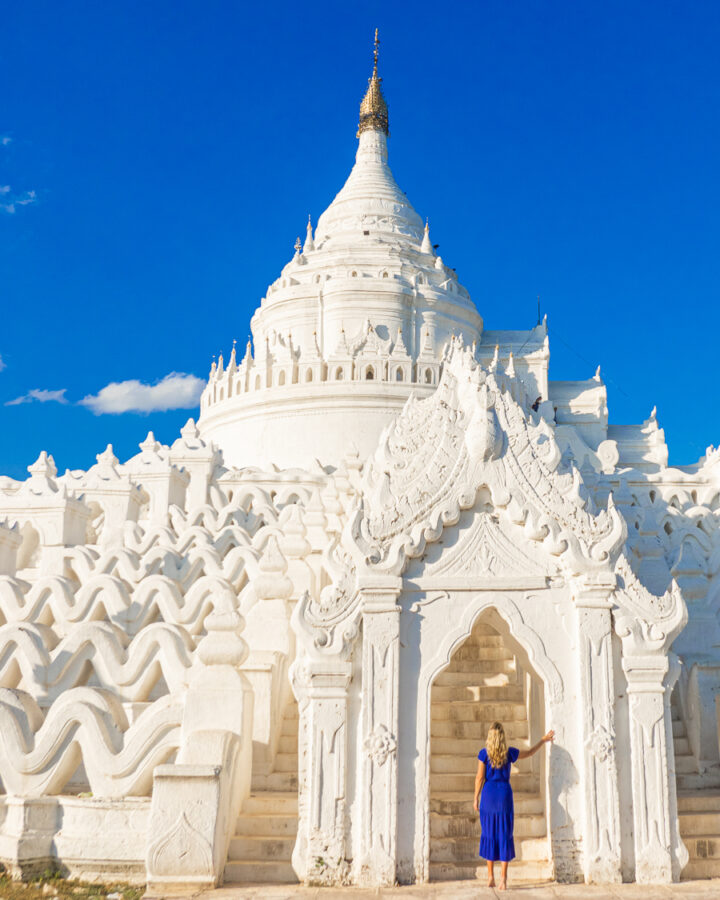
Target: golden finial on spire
x: 373, y: 109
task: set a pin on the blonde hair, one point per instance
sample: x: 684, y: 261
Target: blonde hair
x: 496, y: 746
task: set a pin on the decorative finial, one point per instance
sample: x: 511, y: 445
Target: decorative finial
x: 426, y: 246
x: 298, y: 244
x: 373, y: 109
x: 309, y: 244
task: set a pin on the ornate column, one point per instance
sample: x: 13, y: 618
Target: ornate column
x: 647, y: 626
x: 379, y: 729
x: 648, y: 750
x: 602, y: 840
x: 320, y: 855
x: 320, y: 677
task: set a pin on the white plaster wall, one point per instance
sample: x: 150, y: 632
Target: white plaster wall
x: 296, y: 425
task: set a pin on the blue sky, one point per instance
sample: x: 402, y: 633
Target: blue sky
x: 158, y: 160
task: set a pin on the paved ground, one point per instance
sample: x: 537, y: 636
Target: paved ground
x: 685, y: 890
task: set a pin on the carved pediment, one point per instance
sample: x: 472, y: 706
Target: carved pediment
x: 471, y: 438
x: 471, y: 434
x: 483, y: 550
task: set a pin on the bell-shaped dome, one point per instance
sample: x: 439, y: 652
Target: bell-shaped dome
x: 370, y: 200
x: 357, y: 321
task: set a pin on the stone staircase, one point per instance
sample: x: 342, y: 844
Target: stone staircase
x: 481, y: 685
x: 266, y: 829
x: 698, y: 806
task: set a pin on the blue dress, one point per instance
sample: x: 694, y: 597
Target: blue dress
x: 496, y: 810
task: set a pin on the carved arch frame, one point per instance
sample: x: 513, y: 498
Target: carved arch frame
x: 475, y: 602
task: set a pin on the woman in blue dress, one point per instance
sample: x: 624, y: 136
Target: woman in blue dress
x: 494, y: 799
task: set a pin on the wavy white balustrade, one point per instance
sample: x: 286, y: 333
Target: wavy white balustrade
x: 52, y: 600
x: 33, y: 660
x: 40, y: 753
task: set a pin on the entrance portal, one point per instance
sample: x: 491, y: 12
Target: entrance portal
x: 486, y: 681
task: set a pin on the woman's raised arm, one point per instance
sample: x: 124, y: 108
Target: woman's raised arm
x: 523, y: 754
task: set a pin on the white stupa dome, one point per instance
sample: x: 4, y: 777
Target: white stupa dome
x: 357, y: 320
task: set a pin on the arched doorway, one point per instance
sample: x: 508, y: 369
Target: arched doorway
x: 489, y: 678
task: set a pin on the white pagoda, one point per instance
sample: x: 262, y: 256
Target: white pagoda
x: 271, y: 651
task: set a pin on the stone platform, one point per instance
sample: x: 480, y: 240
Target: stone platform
x: 686, y: 890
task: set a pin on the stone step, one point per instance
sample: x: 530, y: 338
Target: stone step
x: 682, y: 746
x: 468, y: 693
x: 286, y: 762
x: 462, y: 850
x: 703, y: 846
x: 473, y: 711
x: 459, y: 803
x: 488, y: 639
x: 459, y: 675
x: 440, y: 784
x: 288, y: 743
x: 275, y: 781
x: 261, y: 847
x: 701, y: 868
x: 468, y: 826
x: 521, y: 871
x: 268, y: 825
x: 456, y: 763
x: 696, y: 782
x: 465, y: 679
x: 495, y: 651
x: 465, y: 747
x: 259, y: 872
x: 698, y: 801
x: 685, y: 764
x: 289, y: 728
x: 678, y: 729
x: 480, y: 667
x: 476, y: 730
x: 268, y: 803
x: 699, y: 823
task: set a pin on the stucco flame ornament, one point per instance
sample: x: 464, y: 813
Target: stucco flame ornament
x: 380, y: 744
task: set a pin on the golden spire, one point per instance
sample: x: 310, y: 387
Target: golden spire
x: 373, y: 109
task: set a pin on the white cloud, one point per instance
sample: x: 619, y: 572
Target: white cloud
x: 9, y: 202
x: 41, y: 396
x: 2, y: 364
x: 5, y: 140
x: 175, y: 391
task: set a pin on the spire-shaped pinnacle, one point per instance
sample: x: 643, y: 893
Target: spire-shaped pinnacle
x: 309, y: 242
x: 426, y: 246
x: 373, y: 109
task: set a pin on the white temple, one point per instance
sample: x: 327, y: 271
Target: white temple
x: 271, y: 651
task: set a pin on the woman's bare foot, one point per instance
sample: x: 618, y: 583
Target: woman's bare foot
x: 491, y: 881
x: 503, y: 885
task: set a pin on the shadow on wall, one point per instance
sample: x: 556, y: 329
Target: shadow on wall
x: 563, y: 839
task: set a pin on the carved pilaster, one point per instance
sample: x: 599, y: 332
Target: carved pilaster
x: 648, y: 625
x: 602, y: 840
x: 380, y: 695
x: 320, y: 856
x: 648, y: 750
